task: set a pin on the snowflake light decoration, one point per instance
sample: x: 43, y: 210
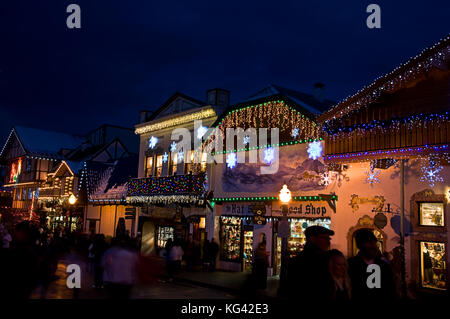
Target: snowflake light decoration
x: 180, y: 156
x: 152, y: 142
x: 325, y: 179
x: 173, y: 147
x: 231, y: 160
x: 295, y: 132
x: 269, y: 155
x: 372, y: 177
x: 431, y: 173
x: 246, y: 140
x: 314, y: 150
x: 165, y: 157
x: 201, y: 131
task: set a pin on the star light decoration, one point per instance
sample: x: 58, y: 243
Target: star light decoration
x: 201, y: 131
x: 372, y: 177
x: 165, y: 157
x: 269, y: 155
x: 325, y: 179
x: 173, y: 147
x: 180, y: 156
x: 231, y: 160
x: 295, y: 132
x: 431, y: 173
x: 246, y: 140
x: 152, y: 142
x: 314, y: 150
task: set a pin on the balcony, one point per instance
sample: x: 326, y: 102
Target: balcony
x: 168, y: 185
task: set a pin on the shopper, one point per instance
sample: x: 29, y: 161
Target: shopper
x: 308, y: 275
x: 369, y: 254
x: 213, y: 251
x: 120, y: 264
x: 260, y: 265
x: 175, y: 258
x: 337, y: 265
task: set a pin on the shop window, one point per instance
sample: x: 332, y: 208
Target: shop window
x: 203, y: 163
x: 30, y: 193
x: 431, y: 214
x: 248, y: 249
x: 230, y: 238
x: 190, y: 166
x: 377, y: 234
x: 159, y: 164
x: 149, y: 166
x: 164, y: 233
x: 24, y: 194
x: 433, y: 265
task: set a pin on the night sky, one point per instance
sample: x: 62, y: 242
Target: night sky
x: 133, y: 55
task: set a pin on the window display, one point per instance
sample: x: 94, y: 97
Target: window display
x: 431, y: 214
x: 230, y: 238
x: 297, y: 240
x: 248, y: 249
x: 163, y: 235
x: 433, y: 265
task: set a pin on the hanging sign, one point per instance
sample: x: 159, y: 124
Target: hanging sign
x: 259, y: 214
x: 313, y: 209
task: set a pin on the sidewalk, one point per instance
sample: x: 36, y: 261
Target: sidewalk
x: 236, y: 283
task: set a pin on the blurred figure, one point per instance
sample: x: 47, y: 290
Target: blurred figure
x: 213, y: 251
x: 20, y: 265
x: 175, y: 257
x: 189, y: 253
x: 5, y: 237
x: 121, y: 230
x: 308, y: 273
x: 260, y: 265
x: 98, y: 249
x: 206, y: 254
x: 119, y: 265
x: 337, y: 265
x: 369, y: 254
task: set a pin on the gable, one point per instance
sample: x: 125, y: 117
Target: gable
x: 13, y: 147
x: 178, y: 105
x: 111, y: 152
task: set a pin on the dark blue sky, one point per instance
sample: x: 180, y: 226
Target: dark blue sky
x: 132, y: 55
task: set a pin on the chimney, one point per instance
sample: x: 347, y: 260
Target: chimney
x: 319, y: 91
x: 220, y: 98
x: 143, y: 116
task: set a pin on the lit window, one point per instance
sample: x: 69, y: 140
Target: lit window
x: 203, y: 163
x: 174, y: 163
x: 149, y: 166
x: 431, y: 214
x: 159, y: 162
x: 432, y: 265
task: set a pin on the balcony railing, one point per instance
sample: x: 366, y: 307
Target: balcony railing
x: 167, y: 185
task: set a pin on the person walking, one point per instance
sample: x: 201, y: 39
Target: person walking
x: 206, y: 254
x: 307, y: 273
x: 213, y: 251
x: 337, y: 265
x: 120, y: 263
x: 175, y: 258
x: 98, y: 249
x: 369, y: 254
x: 260, y: 265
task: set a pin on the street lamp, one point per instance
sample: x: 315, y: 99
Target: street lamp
x: 72, y: 201
x: 284, y: 231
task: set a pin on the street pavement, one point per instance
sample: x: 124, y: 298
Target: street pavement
x: 151, y: 284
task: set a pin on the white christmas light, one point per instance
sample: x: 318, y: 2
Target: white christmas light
x: 173, y: 147
x: 314, y: 150
x: 246, y: 140
x: 165, y: 157
x: 152, y: 142
x: 180, y: 156
x: 295, y: 132
x: 201, y: 131
x: 231, y: 160
x: 269, y: 155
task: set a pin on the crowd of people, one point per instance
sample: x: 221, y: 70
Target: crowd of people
x: 318, y: 271
x: 30, y: 257
x: 192, y: 253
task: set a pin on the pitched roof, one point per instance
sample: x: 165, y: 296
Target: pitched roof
x: 42, y: 142
x: 170, y: 100
x: 305, y: 100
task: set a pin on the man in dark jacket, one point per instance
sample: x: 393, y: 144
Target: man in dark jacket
x: 357, y: 267
x: 308, y: 277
